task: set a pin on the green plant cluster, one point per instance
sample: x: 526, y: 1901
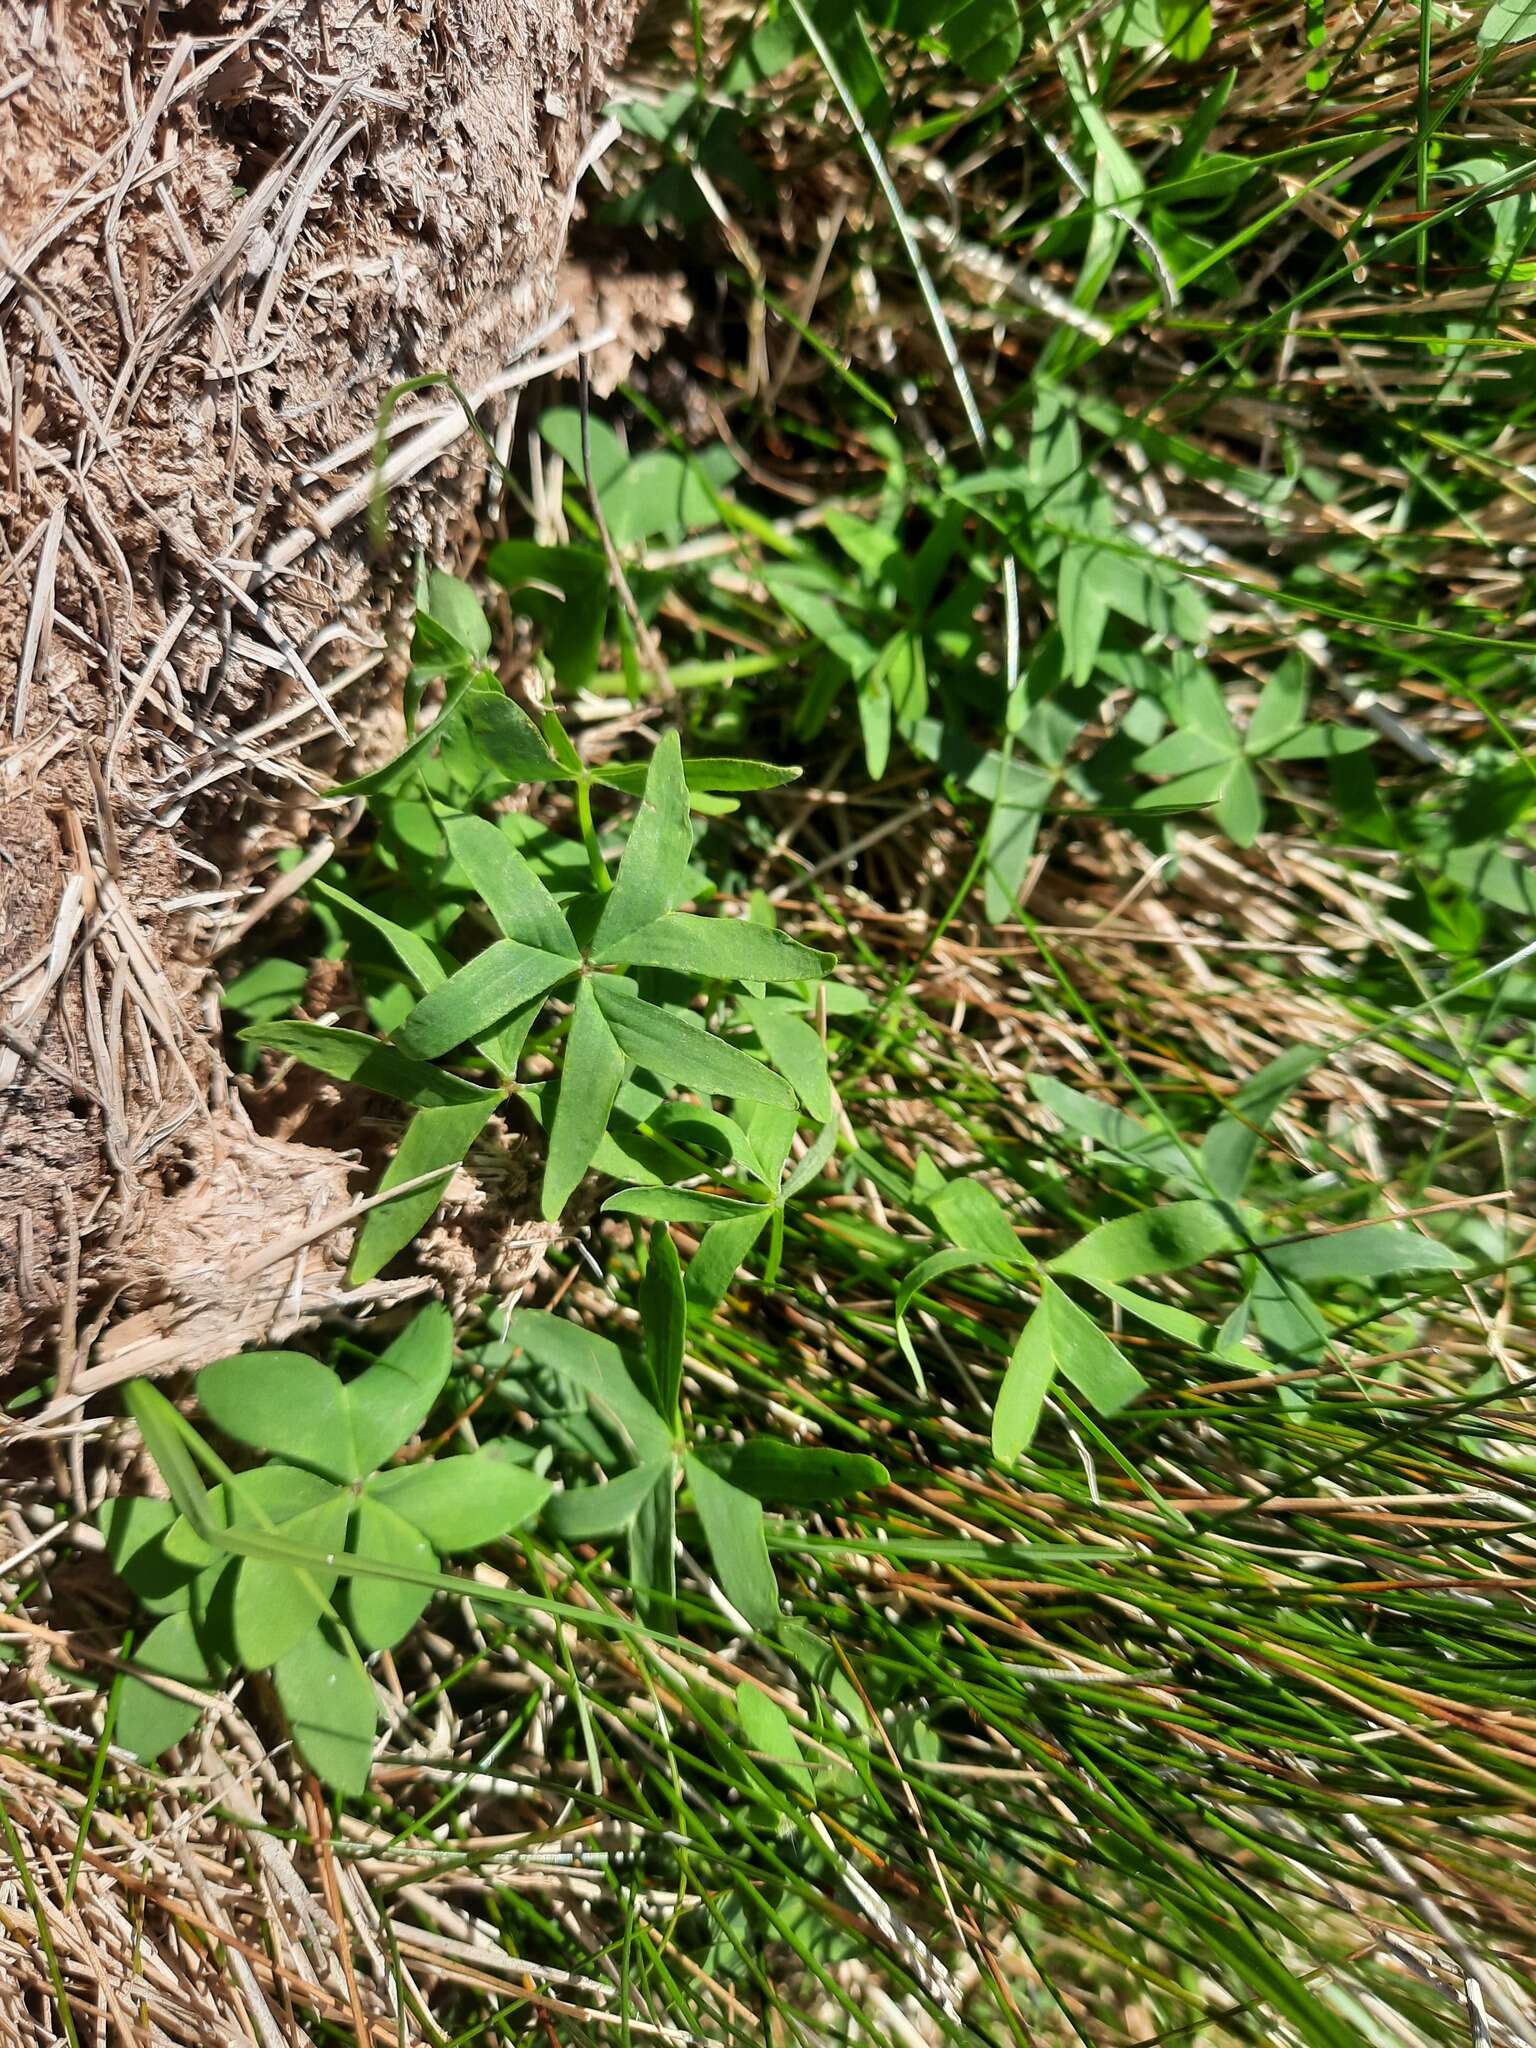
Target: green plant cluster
x: 1049, y: 1584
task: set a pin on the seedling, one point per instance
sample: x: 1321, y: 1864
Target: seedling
x: 628, y: 961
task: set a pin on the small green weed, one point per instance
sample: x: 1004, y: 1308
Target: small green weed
x: 313, y: 1560
x: 575, y: 928
x: 1077, y: 1591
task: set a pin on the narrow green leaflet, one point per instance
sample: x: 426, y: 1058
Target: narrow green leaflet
x: 1099, y: 1370
x: 1082, y: 605
x: 1058, y: 1338
x: 972, y: 1217
x: 654, y: 869
x: 1187, y: 25
x: 435, y: 1142
x: 1017, y: 791
x: 680, y: 1205
x: 494, y: 984
x: 664, y: 1321
x: 733, y: 1529
x: 714, y: 949
x: 652, y: 1547
x: 462, y: 1503
x: 508, y: 887
x: 1161, y: 1240
x: 702, y: 772
x: 770, y: 1130
x: 1282, y: 705
x: 1322, y: 743
x: 704, y: 1132
x: 802, y: 1475
x: 589, y: 1081
x: 589, y: 1514
x: 367, y: 1062
x: 1239, y: 808
x: 796, y: 1048
x: 684, y: 1053
x: 329, y: 1703
x: 723, y: 1249
x: 1371, y: 1252
x: 1186, y: 751
x: 768, y: 1731
x: 812, y: 1161
x: 1173, y: 1322
x: 876, y: 720
x: 270, y: 988
x: 413, y: 952
x: 1026, y: 1383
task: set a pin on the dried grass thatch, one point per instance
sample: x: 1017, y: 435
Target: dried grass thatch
x: 225, y: 234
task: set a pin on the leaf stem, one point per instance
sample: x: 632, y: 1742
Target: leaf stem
x: 775, y: 1245
x: 600, y: 875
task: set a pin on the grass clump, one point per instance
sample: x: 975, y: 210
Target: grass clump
x: 1022, y: 1447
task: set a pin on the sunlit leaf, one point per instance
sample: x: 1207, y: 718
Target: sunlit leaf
x: 388, y: 1403
x: 382, y: 1611
x: 496, y: 982
x: 589, y: 1080
x: 768, y: 1732
x: 716, y: 949
x: 284, y: 1402
x: 1163, y: 1240
x: 329, y: 1703
x: 588, y: 1514
x: 509, y: 888
x: 664, y: 1321
x: 435, y: 1142
x: 461, y: 1503
x: 1058, y: 1338
x: 684, y: 1054
x: 148, y: 1720
x: 654, y: 869
x: 738, y: 1547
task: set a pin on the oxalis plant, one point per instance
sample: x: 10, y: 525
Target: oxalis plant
x: 307, y: 1563
x: 640, y: 980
